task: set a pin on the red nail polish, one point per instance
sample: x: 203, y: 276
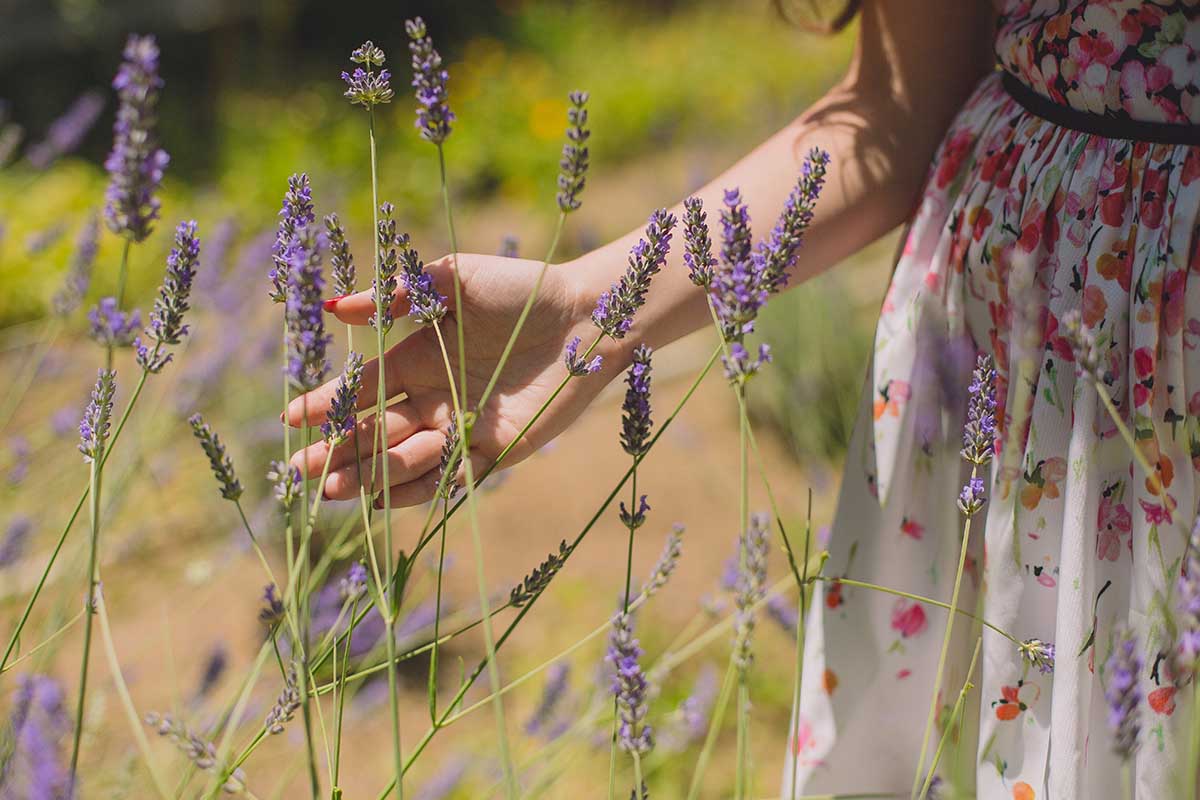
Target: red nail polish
x: 331, y: 303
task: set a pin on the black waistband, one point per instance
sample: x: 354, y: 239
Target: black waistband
x: 1098, y: 124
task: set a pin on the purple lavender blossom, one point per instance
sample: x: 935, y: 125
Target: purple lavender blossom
x: 306, y: 337
x: 383, y: 286
x: 630, y: 687
x: 1123, y: 693
x: 112, y: 327
x: 558, y: 678
x: 429, y: 79
x: 215, y: 666
x: 576, y: 366
x: 62, y: 421
x: 615, y: 308
x: 751, y: 586
x: 272, y: 611
x: 634, y: 519
x: 16, y: 536
x: 509, y: 247
x: 736, y: 238
x: 42, y: 240
x: 341, y: 262
x: 35, y: 767
x: 296, y: 213
x: 979, y: 433
x: 737, y: 289
x: 285, y: 479
x: 166, y: 319
x: 689, y: 723
x: 353, y: 584
x: 972, y: 497
x: 1039, y: 654
x: 740, y: 366
x: 426, y: 305
x: 783, y: 613
x: 1186, y: 657
x: 366, y: 87
x: 341, y: 418
x: 697, y: 253
x: 536, y: 581
x: 79, y: 272
x: 93, y: 428
x: 572, y: 173
x: 65, y: 133
x: 635, y: 411
x: 136, y: 163
x: 777, y: 254
x: 445, y: 781
x: 218, y: 458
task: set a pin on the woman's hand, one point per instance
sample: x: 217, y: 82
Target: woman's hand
x: 494, y: 290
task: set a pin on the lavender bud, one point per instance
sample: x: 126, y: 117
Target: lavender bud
x: 697, y: 254
x: 383, y: 286
x: 296, y: 213
x: 751, y: 586
x: 199, y: 750
x: 1039, y: 654
x: 667, y: 561
x: 341, y: 418
x: 429, y: 79
x: 112, y: 327
x: 537, y: 581
x: 634, y: 519
x: 573, y: 167
x: 635, y: 411
x: 353, y: 584
x: 272, y: 612
x: 341, y: 262
x: 1123, y: 693
x: 426, y: 306
x: 306, y: 337
x: 739, y: 366
x: 979, y: 433
x: 972, y: 497
x: 557, y: 680
x: 79, y: 272
x: 66, y: 133
x: 218, y: 458
x: 450, y: 461
x: 166, y: 319
x: 364, y: 87
x: 285, y: 705
x: 93, y: 428
x: 615, y: 308
x: 286, y: 480
x: 136, y: 163
x: 630, y: 687
x: 576, y: 366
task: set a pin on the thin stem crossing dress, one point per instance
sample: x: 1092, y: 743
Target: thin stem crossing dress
x: 1070, y: 181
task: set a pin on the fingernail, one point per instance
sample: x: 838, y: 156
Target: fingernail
x: 281, y: 415
x: 331, y: 303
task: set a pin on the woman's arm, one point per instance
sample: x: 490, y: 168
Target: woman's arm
x: 913, y: 66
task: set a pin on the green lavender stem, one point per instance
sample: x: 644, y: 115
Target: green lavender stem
x: 92, y: 579
x: 955, y: 716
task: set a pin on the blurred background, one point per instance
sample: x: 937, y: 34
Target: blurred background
x: 678, y: 91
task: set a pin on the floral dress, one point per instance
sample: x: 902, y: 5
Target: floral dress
x: 1023, y: 220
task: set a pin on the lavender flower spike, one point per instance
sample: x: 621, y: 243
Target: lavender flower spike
x: 979, y: 433
x: 557, y: 679
x: 93, y: 428
x: 630, y: 687
x: 12, y: 544
x: 615, y: 308
x: 635, y: 411
x: 429, y: 79
x: 306, y: 337
x: 34, y: 765
x: 353, y: 584
x: 112, y: 327
x: 383, y: 287
x: 364, y: 87
x: 572, y: 173
x: 740, y: 366
x: 576, y: 366
x: 972, y: 497
x: 286, y: 704
x: 339, y: 422
x: 1186, y: 656
x: 79, y: 272
x: 1123, y: 693
x: 751, y: 585
x: 450, y: 461
x: 737, y: 289
x: 697, y: 253
x: 66, y: 133
x: 777, y: 254
x: 166, y: 319
x: 426, y: 305
x: 200, y: 751
x: 218, y: 458
x: 667, y: 561
x: 286, y: 480
x: 297, y: 212
x: 1039, y: 654
x: 136, y: 163
x: 341, y: 262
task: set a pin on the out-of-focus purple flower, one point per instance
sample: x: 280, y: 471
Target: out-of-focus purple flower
x: 630, y: 687
x: 38, y: 722
x: 751, y: 586
x: 19, y: 446
x: 558, y: 678
x: 285, y: 705
x: 166, y: 319
x: 1186, y: 656
x: 979, y: 433
x: 697, y: 253
x: 40, y: 241
x: 426, y: 305
x: 213, y: 270
x: 354, y: 583
x: 572, y: 169
x: 634, y: 519
x: 62, y: 421
x: 16, y: 536
x: 365, y: 87
x: 667, y: 561
x: 285, y: 479
x: 740, y: 366
x: 136, y: 164
x: 429, y: 79
x: 419, y: 621
x: 199, y: 750
x: 615, y: 308
x: 65, y: 133
x: 218, y: 458
x: 635, y: 411
x: 341, y: 419
x: 272, y: 611
x: 296, y: 213
x: 1123, y: 693
x: 689, y: 723
x: 341, y: 261
x: 79, y: 272
x: 783, y: 613
x: 306, y: 337
x: 93, y: 428
x: 778, y: 253
x: 576, y: 366
x: 383, y: 285
x: 445, y: 781
x: 215, y: 666
x: 508, y: 247
x: 112, y: 327
x: 972, y: 497
x: 1039, y: 654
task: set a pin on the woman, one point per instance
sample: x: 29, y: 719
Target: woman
x: 1065, y: 180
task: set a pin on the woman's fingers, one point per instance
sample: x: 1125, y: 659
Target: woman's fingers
x: 358, y: 308
x: 407, y: 461
x: 402, y: 420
